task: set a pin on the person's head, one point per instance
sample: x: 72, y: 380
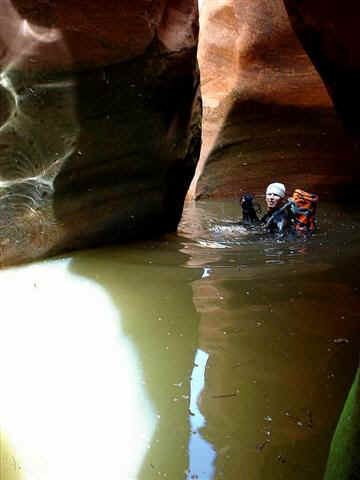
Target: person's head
x: 275, y: 195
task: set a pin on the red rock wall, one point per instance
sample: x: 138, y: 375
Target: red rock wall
x: 267, y: 114
x: 99, y: 132
x: 96, y: 33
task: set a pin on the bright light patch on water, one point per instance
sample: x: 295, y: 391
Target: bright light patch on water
x: 201, y: 452
x: 72, y: 404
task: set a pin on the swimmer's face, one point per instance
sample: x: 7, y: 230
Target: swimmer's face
x: 272, y: 200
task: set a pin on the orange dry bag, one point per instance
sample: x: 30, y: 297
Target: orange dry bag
x: 304, y: 206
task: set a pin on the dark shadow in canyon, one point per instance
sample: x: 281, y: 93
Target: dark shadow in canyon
x: 331, y: 42
x: 131, y: 145
x: 301, y: 146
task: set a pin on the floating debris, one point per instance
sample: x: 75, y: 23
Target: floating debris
x: 302, y: 422
x: 341, y: 340
x: 225, y: 395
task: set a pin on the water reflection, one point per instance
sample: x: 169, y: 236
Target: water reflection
x: 271, y: 314
x: 72, y: 386
x: 170, y: 358
x: 151, y: 289
x: 201, y: 452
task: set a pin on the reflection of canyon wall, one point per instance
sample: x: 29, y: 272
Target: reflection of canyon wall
x: 157, y: 316
x: 332, y: 43
x: 267, y: 114
x: 100, y: 122
x: 271, y: 368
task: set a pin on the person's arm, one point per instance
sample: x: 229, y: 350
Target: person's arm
x: 248, y: 210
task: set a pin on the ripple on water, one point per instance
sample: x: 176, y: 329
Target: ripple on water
x: 232, y: 344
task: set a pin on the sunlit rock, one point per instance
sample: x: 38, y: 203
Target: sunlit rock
x: 99, y: 122
x: 267, y: 115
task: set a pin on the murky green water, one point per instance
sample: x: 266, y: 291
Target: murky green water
x: 211, y: 354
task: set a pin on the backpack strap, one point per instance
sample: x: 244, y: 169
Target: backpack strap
x: 271, y: 218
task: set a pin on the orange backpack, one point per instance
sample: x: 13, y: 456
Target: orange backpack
x: 303, y: 205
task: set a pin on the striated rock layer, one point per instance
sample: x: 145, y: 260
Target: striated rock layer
x: 99, y: 121
x: 267, y: 114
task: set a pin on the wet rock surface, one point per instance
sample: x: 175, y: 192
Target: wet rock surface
x: 100, y: 122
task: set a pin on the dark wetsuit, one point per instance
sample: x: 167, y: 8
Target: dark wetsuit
x: 279, y: 221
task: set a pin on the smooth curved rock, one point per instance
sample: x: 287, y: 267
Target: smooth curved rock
x: 267, y: 115
x: 77, y: 34
x: 100, y: 122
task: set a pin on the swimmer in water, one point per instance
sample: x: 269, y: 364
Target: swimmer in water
x: 279, y: 218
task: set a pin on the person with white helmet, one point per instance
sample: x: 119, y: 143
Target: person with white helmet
x: 279, y: 218
x: 275, y: 195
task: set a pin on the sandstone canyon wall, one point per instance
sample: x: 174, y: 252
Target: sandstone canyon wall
x: 100, y: 113
x: 99, y: 121
x: 267, y: 114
